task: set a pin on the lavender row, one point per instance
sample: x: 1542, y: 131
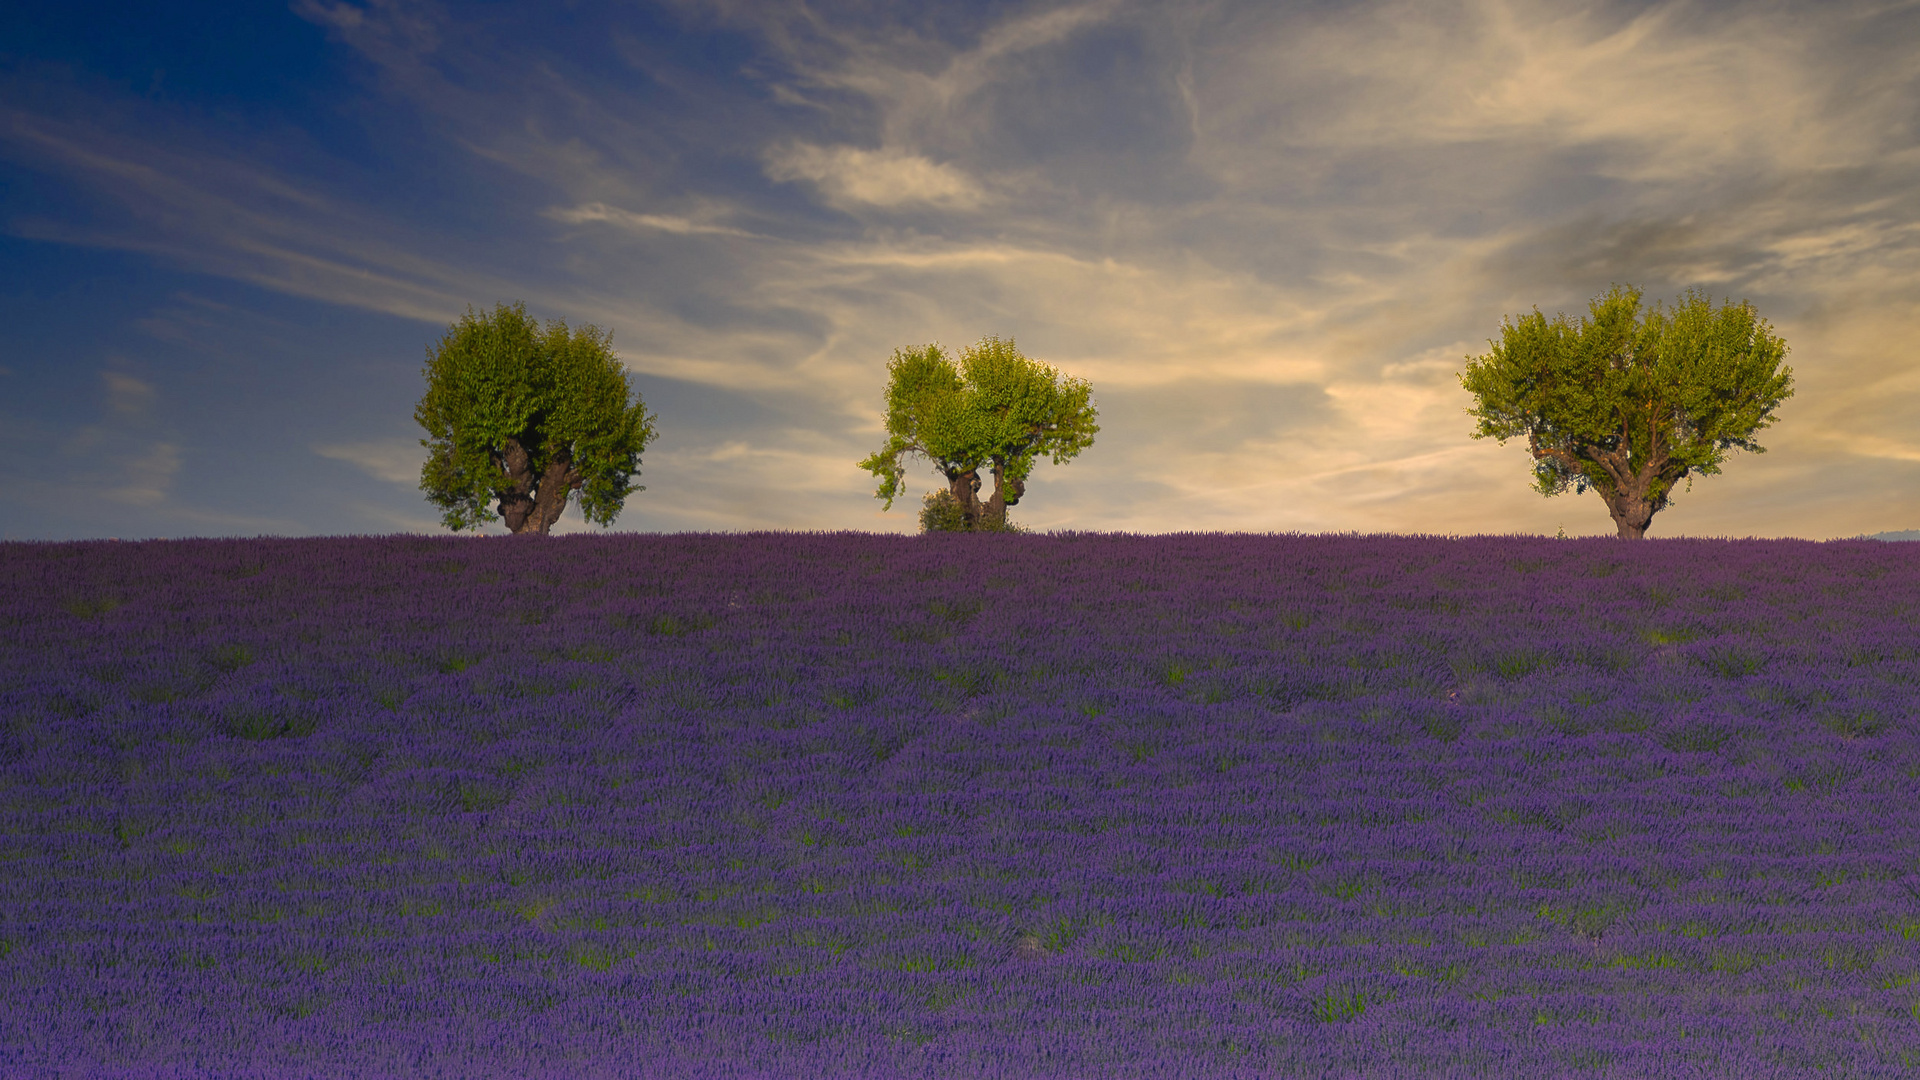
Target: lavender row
x: 962, y: 806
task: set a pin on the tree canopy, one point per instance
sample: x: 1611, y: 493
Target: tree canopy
x: 1628, y: 400
x: 996, y: 409
x: 525, y: 416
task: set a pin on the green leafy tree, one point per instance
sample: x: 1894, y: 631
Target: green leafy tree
x: 523, y: 417
x: 996, y: 411
x: 1629, y: 401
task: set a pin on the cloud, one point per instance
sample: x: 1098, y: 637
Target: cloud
x: 147, y: 477
x: 1875, y: 446
x: 404, y: 521
x: 395, y: 31
x: 914, y: 67
x: 666, y: 223
x: 850, y: 176
x: 715, y: 482
x: 1658, y: 92
x: 210, y: 209
x: 127, y: 395
x: 396, y: 461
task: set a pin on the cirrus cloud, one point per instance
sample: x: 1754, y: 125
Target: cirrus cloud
x: 849, y: 176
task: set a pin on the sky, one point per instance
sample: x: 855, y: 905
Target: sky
x: 1269, y: 235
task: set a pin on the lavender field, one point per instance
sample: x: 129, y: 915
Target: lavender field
x: 800, y: 805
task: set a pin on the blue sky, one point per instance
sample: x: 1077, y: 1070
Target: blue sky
x: 1267, y: 234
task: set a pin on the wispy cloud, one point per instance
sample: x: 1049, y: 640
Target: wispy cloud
x: 392, y: 460
x: 148, y: 476
x: 849, y: 175
x: 209, y: 209
x: 666, y: 223
x: 126, y: 395
x: 1654, y: 93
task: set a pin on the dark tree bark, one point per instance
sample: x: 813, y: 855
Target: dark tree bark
x: 517, y: 501
x: 534, y: 501
x: 1632, y: 512
x: 966, y: 487
x: 1005, y: 493
x: 550, y: 497
x: 1632, y: 509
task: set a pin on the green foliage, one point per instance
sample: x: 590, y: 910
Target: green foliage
x: 1339, y: 1007
x: 499, y: 385
x: 994, y: 409
x: 1629, y: 392
x: 941, y: 512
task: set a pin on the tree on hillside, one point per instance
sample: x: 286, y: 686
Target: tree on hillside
x: 1629, y: 401
x: 996, y: 411
x: 525, y: 416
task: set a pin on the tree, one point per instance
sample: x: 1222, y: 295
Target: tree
x: 525, y: 417
x: 1630, y: 401
x: 996, y: 410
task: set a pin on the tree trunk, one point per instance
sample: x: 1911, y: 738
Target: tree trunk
x: 550, y: 498
x: 533, y: 502
x: 1005, y: 493
x: 1632, y: 508
x: 516, y: 503
x: 965, y: 487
